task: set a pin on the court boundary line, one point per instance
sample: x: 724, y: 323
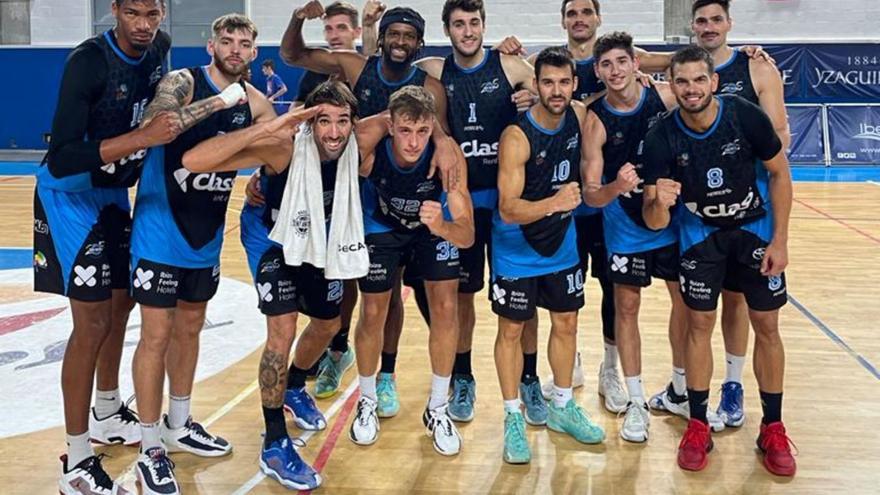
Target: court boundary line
x: 831, y: 334
x: 837, y: 220
x: 874, y: 183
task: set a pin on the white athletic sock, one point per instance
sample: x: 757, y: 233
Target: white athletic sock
x: 107, y: 403
x: 79, y: 448
x: 514, y: 405
x: 368, y: 387
x: 178, y: 411
x: 679, y: 381
x: 610, y: 356
x: 150, y: 436
x: 439, y: 391
x: 735, y: 365
x: 635, y: 389
x: 561, y: 396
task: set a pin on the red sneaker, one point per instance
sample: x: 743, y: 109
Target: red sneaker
x: 774, y: 443
x: 693, y: 451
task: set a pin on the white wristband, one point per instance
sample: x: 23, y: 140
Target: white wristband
x: 233, y: 95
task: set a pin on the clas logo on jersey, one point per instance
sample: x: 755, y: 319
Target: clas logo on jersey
x: 110, y: 168
x: 475, y: 148
x: 723, y: 210
x: 731, y: 148
x: 203, y: 182
x: 732, y: 87
x: 490, y: 87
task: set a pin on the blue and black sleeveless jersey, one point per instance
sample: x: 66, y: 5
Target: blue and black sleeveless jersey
x: 734, y: 78
x: 373, y: 91
x: 625, y: 229
x: 588, y: 83
x: 393, y: 195
x: 479, y: 108
x: 103, y: 95
x: 272, y: 187
x: 549, y: 244
x: 717, y: 169
x: 179, y: 215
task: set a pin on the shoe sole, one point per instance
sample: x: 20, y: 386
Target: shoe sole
x: 462, y: 419
x: 139, y: 484
x: 358, y: 442
x: 516, y: 461
x: 705, y: 461
x: 773, y: 469
x: 285, y: 483
x: 302, y: 425
x: 328, y: 394
x: 387, y: 414
x: 608, y: 407
x: 591, y: 442
x: 114, y: 442
x: 640, y: 439
x: 733, y: 424
x: 532, y: 422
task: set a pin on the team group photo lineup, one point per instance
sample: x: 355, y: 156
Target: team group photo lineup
x: 534, y: 214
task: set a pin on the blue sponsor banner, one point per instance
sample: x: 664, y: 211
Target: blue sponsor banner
x: 825, y: 73
x: 854, y: 134
x: 807, y: 139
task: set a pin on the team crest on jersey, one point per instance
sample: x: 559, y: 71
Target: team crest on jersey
x: 121, y: 92
x: 450, y: 88
x: 490, y: 87
x: 732, y: 88
x: 238, y: 118
x: 617, y: 138
x: 365, y: 94
x: 302, y: 223
x: 573, y: 142
x: 683, y: 160
x: 539, y: 159
x: 731, y: 148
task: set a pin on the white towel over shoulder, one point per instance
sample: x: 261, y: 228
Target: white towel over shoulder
x: 300, y: 226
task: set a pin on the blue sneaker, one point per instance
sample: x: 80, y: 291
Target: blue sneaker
x: 516, y: 446
x: 305, y: 412
x: 572, y: 419
x: 464, y: 394
x: 730, y: 410
x: 281, y: 462
x: 386, y: 392
x: 536, y: 406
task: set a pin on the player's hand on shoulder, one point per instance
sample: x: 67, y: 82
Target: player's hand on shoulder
x: 757, y: 52
x: 524, y: 99
x: 311, y: 10
x: 511, y: 46
x: 567, y: 198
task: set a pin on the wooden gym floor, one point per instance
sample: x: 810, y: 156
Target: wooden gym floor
x: 831, y: 409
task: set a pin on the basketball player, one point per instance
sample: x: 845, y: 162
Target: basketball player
x: 534, y: 252
x: 614, y: 134
x: 758, y: 81
x: 733, y: 223
x: 480, y: 84
x: 82, y: 223
x: 373, y: 79
x: 409, y: 216
x: 176, y: 240
x: 285, y: 291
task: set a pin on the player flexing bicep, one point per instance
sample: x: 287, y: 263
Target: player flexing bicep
x: 513, y: 153
x: 174, y: 96
x: 459, y: 231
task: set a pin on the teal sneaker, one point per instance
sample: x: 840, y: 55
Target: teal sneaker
x: 386, y: 391
x: 575, y: 421
x: 536, y: 406
x: 516, y: 446
x: 330, y: 373
x: 464, y: 394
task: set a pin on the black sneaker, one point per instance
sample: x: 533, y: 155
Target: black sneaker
x: 193, y: 438
x: 155, y: 473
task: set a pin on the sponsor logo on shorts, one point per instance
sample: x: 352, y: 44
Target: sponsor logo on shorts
x: 618, y: 264
x: 758, y: 254
x: 774, y: 282
x: 40, y: 261
x: 167, y: 284
x: 489, y: 87
x: 696, y: 290
x: 41, y: 227
x: 498, y: 294
x: 85, y: 276
x: 215, y: 272
x: 95, y: 249
x: 143, y: 279
x: 271, y: 266
x: 265, y: 292
x: 687, y: 264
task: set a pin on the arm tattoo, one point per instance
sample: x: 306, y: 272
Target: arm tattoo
x: 174, y: 89
x: 273, y: 378
x: 197, y: 112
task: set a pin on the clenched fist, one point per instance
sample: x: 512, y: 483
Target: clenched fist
x: 627, y: 179
x: 311, y: 10
x: 162, y: 129
x: 567, y: 198
x: 667, y: 192
x: 431, y: 215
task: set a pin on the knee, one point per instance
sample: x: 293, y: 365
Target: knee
x: 510, y: 333
x: 155, y: 343
x: 700, y: 323
x: 325, y: 329
x: 627, y: 307
x: 766, y: 326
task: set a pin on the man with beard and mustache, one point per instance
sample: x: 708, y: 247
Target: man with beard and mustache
x: 175, y: 245
x: 82, y: 223
x: 284, y: 291
x: 480, y: 85
x: 732, y: 223
x: 374, y: 79
x: 534, y: 258
x: 759, y: 82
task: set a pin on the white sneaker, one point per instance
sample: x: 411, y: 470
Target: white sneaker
x: 193, y: 438
x: 87, y: 477
x: 715, y: 421
x: 365, y: 426
x: 612, y: 390
x: 439, y: 426
x: 120, y: 427
x: 635, y: 423
x: 155, y: 473
x: 682, y: 408
x: 577, y: 378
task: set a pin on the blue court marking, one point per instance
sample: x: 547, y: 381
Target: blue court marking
x: 834, y: 337
x: 835, y: 174
x: 30, y: 168
x: 11, y: 258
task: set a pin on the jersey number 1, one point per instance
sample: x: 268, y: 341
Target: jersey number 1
x: 137, y: 112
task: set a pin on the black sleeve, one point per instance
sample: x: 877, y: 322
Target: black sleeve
x: 85, y: 75
x: 659, y: 158
x: 309, y: 81
x: 163, y: 43
x: 758, y: 129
